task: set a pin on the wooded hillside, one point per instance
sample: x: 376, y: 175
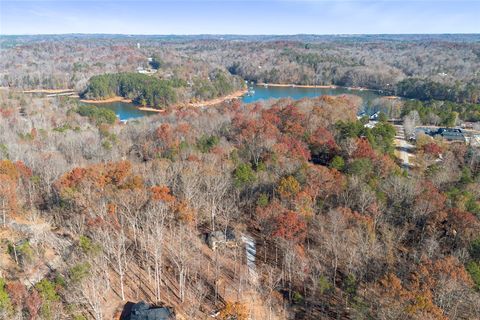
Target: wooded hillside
x: 97, y: 214
x: 442, y: 67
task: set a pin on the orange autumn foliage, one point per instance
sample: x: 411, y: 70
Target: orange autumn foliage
x: 288, y: 187
x: 8, y: 194
x: 117, y: 172
x: 99, y: 176
x: 290, y: 147
x: 323, y: 182
x: 364, y: 150
x: 415, y: 295
x: 430, y: 199
x: 166, y: 137
x: 322, y: 138
x: 304, y: 204
x: 234, y: 311
x: 162, y: 193
x: 185, y: 213
x: 290, y: 226
x: 386, y: 165
x: 8, y: 168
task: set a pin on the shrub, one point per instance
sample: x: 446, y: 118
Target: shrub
x: 361, y: 167
x: 107, y: 145
x: 79, y: 272
x: 474, y: 269
x: 324, y: 285
x: 475, y: 249
x: 288, y: 187
x: 47, y: 292
x: 234, y: 311
x: 63, y: 128
x: 23, y: 252
x: 96, y: 114
x: 244, y: 175
x: 350, y: 284
x: 297, y: 297
x: 88, y: 246
x: 206, y: 143
x: 5, y: 303
x: 262, y: 200
x: 337, y: 163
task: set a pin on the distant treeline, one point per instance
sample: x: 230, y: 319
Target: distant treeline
x: 437, y: 112
x: 424, y: 89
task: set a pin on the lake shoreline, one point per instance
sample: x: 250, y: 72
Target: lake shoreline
x: 109, y: 100
x: 235, y: 95
x: 150, y: 109
x: 308, y: 86
x: 288, y: 85
x: 50, y: 91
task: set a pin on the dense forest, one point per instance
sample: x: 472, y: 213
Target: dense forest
x: 444, y: 113
x: 278, y: 209
x: 441, y: 67
x: 139, y: 87
x: 147, y: 90
x: 95, y: 213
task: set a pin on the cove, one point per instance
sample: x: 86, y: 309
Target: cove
x: 129, y: 111
x: 124, y: 110
x: 262, y: 92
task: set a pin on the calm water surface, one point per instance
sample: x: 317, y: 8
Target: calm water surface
x: 125, y: 111
x: 128, y: 111
x: 264, y: 93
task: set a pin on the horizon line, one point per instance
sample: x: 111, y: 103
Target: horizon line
x: 239, y: 34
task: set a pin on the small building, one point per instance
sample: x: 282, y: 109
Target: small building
x: 451, y: 134
x: 143, y: 311
x: 371, y: 124
x: 375, y: 116
x: 454, y: 137
x: 419, y: 131
x: 222, y: 238
x: 448, y: 134
x: 361, y: 115
x: 146, y: 71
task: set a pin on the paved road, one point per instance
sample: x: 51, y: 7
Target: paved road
x: 404, y: 149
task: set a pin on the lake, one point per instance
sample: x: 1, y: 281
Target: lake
x: 264, y: 93
x: 127, y: 111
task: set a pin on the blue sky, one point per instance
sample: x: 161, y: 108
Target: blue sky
x: 239, y: 17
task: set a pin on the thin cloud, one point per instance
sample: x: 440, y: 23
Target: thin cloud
x: 239, y: 17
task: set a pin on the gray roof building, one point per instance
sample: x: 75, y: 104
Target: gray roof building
x: 143, y: 311
x: 219, y: 238
x: 450, y: 134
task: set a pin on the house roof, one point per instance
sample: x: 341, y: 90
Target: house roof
x: 218, y: 235
x: 453, y: 136
x: 142, y: 311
